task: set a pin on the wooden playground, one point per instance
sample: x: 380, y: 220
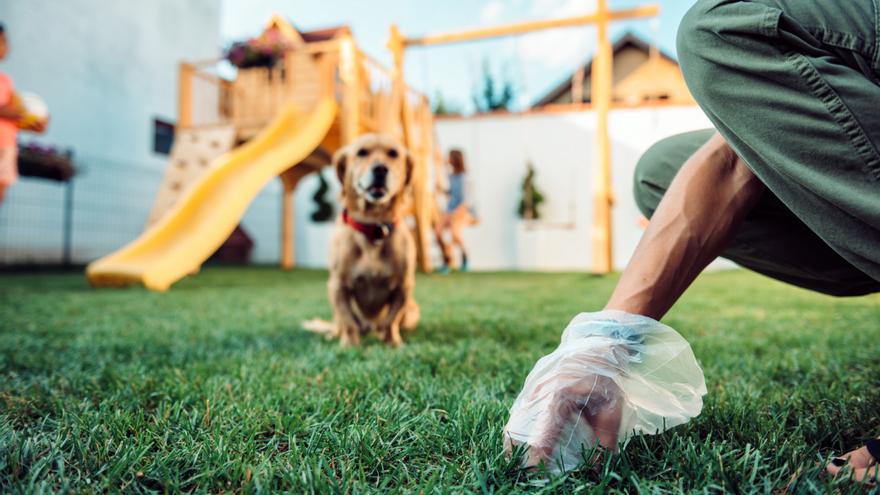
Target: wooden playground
x: 286, y: 120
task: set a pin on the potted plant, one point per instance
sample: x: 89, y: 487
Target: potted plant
x: 47, y: 162
x: 530, y: 204
x: 324, y: 208
x: 264, y: 51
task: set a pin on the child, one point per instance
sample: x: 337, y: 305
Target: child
x: 458, y: 214
x: 11, y: 112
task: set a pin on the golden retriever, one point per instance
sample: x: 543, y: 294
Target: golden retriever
x: 372, y: 252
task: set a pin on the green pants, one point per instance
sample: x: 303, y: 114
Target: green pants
x: 794, y: 88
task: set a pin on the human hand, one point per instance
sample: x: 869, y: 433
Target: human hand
x: 13, y: 110
x: 37, y: 126
x: 613, y: 374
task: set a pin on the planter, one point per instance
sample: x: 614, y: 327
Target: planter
x: 45, y: 163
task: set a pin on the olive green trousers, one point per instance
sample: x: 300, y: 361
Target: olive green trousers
x: 794, y: 88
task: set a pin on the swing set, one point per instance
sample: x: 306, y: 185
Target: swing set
x: 601, y: 97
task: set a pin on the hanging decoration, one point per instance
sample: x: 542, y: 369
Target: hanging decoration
x: 530, y: 204
x: 324, y: 211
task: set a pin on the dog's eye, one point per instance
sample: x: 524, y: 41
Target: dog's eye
x: 392, y: 153
x: 363, y: 152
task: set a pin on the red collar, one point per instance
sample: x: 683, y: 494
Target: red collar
x: 374, y: 232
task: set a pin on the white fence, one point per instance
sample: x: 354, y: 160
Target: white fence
x: 560, y: 145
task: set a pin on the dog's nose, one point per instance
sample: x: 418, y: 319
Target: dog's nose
x: 380, y: 171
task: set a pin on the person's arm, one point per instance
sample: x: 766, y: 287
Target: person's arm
x: 695, y: 221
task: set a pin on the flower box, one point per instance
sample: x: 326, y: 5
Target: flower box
x: 46, y: 162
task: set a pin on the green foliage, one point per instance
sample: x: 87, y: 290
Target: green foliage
x: 324, y: 207
x: 530, y: 203
x: 493, y: 96
x: 443, y: 107
x: 212, y: 387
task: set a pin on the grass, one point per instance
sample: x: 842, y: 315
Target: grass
x: 212, y: 387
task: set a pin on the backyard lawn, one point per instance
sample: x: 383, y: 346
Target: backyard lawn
x: 213, y: 387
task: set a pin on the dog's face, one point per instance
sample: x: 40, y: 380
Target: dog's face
x: 374, y: 167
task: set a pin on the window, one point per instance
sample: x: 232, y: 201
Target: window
x: 163, y: 136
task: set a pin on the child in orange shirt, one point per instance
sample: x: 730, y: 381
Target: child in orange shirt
x: 11, y: 113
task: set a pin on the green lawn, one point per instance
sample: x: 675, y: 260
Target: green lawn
x: 212, y: 387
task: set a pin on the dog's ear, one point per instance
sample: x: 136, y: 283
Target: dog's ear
x: 410, y: 166
x: 339, y: 162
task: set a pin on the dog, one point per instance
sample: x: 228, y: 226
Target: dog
x: 372, y: 252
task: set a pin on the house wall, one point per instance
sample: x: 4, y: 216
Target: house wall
x: 636, y: 79
x: 661, y: 79
x: 105, y: 69
x: 561, y: 148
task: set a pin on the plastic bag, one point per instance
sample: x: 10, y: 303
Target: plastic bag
x: 614, y: 374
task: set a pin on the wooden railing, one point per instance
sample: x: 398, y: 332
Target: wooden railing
x: 251, y: 98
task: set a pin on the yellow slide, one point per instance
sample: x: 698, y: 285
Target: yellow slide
x: 202, y: 220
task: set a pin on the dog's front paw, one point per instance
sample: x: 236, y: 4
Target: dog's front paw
x: 391, y: 336
x: 349, y: 336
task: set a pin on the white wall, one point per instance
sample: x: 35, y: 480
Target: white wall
x: 560, y: 145
x: 106, y: 69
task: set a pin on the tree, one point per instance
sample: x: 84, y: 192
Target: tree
x: 529, y: 205
x: 493, y: 96
x: 442, y: 107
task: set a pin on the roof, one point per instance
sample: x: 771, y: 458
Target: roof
x: 293, y: 34
x: 628, y: 40
x: 324, y: 34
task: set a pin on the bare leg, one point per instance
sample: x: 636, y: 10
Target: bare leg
x: 458, y: 221
x: 439, y: 227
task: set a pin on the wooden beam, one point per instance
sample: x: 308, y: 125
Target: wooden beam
x: 601, y: 98
x: 351, y: 91
x: 288, y: 255
x: 531, y: 26
x: 184, y: 95
x: 422, y: 199
x: 398, y: 86
x: 402, y: 109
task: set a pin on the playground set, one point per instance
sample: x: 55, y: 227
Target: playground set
x: 287, y: 119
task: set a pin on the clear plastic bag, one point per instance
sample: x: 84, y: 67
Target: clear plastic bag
x: 613, y: 375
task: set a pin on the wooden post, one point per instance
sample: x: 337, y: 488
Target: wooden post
x: 184, y: 95
x: 288, y: 247
x: 421, y: 194
x: 351, y: 99
x: 401, y: 107
x: 398, y: 85
x: 601, y: 99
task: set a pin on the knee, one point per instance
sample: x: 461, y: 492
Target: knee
x: 651, y: 178
x: 692, y: 41
x: 707, y: 41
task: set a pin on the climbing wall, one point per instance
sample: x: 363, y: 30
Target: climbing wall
x: 192, y: 155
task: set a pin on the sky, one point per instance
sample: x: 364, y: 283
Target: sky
x: 535, y: 62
